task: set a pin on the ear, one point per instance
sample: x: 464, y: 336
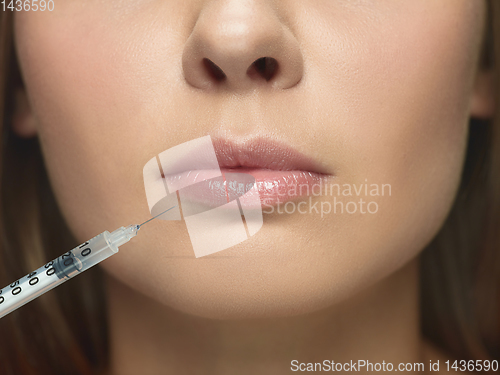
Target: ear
x: 23, y: 119
x: 483, y: 100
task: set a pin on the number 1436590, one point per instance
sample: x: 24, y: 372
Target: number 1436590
x: 27, y: 5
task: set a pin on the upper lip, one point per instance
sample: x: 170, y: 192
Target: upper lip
x: 260, y: 153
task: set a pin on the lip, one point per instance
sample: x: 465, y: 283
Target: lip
x: 260, y: 153
x: 281, y: 172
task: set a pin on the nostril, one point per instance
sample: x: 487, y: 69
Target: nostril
x: 265, y: 67
x: 214, y: 71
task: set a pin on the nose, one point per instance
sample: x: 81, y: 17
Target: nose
x: 240, y: 45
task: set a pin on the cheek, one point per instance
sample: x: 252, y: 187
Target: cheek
x: 398, y: 114
x: 94, y: 101
x: 417, y: 128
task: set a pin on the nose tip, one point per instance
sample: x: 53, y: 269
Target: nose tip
x: 240, y: 45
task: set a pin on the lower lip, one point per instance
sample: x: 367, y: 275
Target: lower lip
x: 281, y: 186
x: 274, y: 186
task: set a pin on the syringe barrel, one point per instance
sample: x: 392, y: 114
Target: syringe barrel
x: 54, y: 273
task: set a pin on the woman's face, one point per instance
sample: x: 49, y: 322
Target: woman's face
x: 375, y: 91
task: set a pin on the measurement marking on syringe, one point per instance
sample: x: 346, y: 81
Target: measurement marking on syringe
x: 65, y: 267
x: 34, y: 280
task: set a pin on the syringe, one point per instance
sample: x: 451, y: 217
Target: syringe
x: 63, y: 268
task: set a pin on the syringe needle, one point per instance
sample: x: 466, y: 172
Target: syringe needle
x: 63, y: 268
x: 147, y: 221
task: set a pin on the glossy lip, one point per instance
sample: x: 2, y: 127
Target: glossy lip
x: 281, y: 173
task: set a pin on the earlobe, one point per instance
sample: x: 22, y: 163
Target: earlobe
x: 483, y: 100
x: 23, y: 119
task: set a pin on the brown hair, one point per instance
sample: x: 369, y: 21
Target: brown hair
x: 65, y: 331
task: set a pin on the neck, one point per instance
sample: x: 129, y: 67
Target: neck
x: 379, y: 324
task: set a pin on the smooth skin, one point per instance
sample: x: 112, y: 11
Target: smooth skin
x: 377, y: 91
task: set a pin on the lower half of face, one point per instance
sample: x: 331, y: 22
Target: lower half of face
x: 381, y: 104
